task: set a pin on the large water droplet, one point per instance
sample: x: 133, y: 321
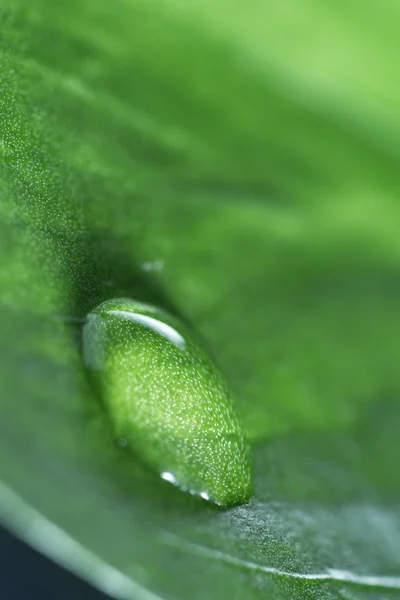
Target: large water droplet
x: 166, y: 400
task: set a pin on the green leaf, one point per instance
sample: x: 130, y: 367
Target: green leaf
x: 236, y: 165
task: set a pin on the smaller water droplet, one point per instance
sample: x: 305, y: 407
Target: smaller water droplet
x: 153, y: 265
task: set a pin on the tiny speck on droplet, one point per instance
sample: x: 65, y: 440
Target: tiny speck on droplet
x: 122, y: 442
x: 168, y: 477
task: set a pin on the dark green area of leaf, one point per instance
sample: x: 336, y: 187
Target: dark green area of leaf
x: 254, y: 151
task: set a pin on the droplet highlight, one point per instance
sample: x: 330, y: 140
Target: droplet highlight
x: 167, y: 400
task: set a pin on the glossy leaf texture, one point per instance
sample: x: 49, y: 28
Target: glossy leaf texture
x: 236, y: 165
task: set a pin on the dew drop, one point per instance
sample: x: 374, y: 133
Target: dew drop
x: 166, y: 400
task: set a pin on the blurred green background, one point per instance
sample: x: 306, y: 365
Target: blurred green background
x: 237, y: 164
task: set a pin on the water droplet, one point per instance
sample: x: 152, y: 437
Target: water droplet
x: 153, y: 265
x: 167, y: 400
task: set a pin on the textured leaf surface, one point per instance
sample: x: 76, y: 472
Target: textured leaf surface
x: 237, y: 165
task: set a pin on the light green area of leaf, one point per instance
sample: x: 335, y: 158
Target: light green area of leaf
x: 237, y: 165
